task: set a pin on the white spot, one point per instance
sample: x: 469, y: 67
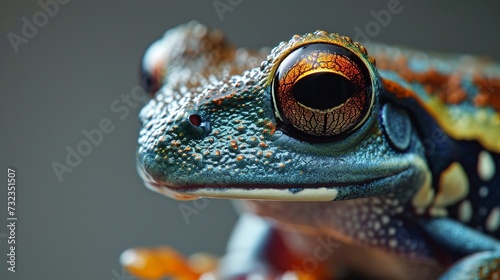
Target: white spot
x: 393, y: 243
x: 385, y: 219
x: 376, y: 200
x: 465, y: 211
x: 376, y: 226
x: 485, y: 166
x: 131, y: 258
x: 391, y: 231
x: 361, y: 235
x: 493, y: 220
x: 453, y: 185
x: 377, y: 210
x: 483, y: 191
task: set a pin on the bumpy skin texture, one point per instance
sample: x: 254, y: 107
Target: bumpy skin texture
x: 420, y: 168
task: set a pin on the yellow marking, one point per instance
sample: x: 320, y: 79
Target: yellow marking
x: 493, y: 220
x: 482, y: 124
x: 465, y: 211
x: 463, y: 125
x: 437, y: 211
x: 485, y: 166
x: 453, y: 186
x: 423, y: 198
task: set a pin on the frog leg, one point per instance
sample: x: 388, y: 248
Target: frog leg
x: 246, y: 249
x: 257, y: 249
x: 479, y: 254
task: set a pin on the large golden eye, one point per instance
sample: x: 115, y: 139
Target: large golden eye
x: 322, y: 92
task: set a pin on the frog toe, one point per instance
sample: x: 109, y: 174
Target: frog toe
x: 480, y: 266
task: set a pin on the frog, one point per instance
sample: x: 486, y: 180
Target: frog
x: 346, y: 160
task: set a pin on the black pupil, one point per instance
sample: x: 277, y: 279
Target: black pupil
x: 322, y: 90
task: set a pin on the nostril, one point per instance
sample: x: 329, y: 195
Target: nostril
x: 195, y: 120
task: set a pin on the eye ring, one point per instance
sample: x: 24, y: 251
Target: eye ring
x: 322, y: 92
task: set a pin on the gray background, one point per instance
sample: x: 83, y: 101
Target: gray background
x: 87, y: 56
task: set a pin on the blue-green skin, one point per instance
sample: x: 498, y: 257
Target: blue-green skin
x: 237, y: 147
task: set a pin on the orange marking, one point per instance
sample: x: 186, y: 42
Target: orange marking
x: 157, y: 263
x: 220, y: 98
x: 271, y: 125
x: 240, y: 157
x: 448, y: 88
x: 490, y: 271
x: 233, y: 144
x: 175, y: 143
x: 402, y: 93
x: 399, y: 91
x: 489, y: 92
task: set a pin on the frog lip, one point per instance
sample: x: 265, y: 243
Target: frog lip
x: 297, y: 192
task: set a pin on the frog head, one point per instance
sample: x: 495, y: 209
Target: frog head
x: 309, y: 124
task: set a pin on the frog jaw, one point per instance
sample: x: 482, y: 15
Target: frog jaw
x: 316, y: 192
x: 409, y: 170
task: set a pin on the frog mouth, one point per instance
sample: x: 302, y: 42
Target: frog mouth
x: 306, y: 192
